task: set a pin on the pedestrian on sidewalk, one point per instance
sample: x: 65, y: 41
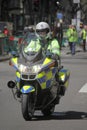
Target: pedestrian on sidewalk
x: 75, y: 38
x: 70, y: 37
x: 83, y: 35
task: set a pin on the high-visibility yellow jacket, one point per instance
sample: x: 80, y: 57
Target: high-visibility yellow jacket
x: 52, y: 46
x: 83, y: 34
x: 75, y: 36
x: 70, y: 35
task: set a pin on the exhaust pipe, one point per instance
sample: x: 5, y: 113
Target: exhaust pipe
x: 11, y: 84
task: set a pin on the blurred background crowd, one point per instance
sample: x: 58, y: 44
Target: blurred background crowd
x: 19, y: 16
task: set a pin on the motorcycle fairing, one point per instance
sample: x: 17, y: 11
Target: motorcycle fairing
x: 45, y: 77
x: 14, y: 62
x: 46, y: 61
x: 64, y: 75
x: 18, y: 76
x: 27, y: 89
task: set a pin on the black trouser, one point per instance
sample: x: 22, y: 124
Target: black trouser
x: 84, y: 44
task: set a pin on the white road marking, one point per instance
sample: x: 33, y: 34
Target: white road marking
x: 83, y: 89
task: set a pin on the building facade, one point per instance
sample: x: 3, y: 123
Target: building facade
x: 28, y: 12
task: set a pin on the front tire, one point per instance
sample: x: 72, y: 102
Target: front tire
x: 27, y: 105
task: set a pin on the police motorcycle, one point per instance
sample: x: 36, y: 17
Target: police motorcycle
x: 39, y: 83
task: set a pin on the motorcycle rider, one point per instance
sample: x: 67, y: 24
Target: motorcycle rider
x: 45, y: 41
x: 52, y: 47
x: 49, y: 44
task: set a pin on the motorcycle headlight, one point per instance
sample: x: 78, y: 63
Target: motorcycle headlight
x: 22, y: 68
x: 36, y: 68
x: 27, y: 69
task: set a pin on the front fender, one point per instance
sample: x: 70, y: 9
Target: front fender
x: 27, y: 89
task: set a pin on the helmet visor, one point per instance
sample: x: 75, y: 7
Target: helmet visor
x: 42, y: 33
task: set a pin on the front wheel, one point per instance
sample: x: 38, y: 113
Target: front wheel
x: 27, y: 105
x: 48, y: 111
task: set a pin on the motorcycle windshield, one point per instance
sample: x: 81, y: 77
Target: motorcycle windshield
x: 31, y: 47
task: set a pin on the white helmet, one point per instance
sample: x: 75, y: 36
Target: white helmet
x: 41, y: 28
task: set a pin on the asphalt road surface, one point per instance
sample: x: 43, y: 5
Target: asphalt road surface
x: 70, y: 114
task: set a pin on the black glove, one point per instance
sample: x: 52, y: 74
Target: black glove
x: 55, y: 56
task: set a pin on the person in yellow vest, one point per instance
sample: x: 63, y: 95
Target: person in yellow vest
x: 75, y: 34
x: 75, y: 39
x: 83, y: 36
x: 45, y: 41
x: 70, y: 36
